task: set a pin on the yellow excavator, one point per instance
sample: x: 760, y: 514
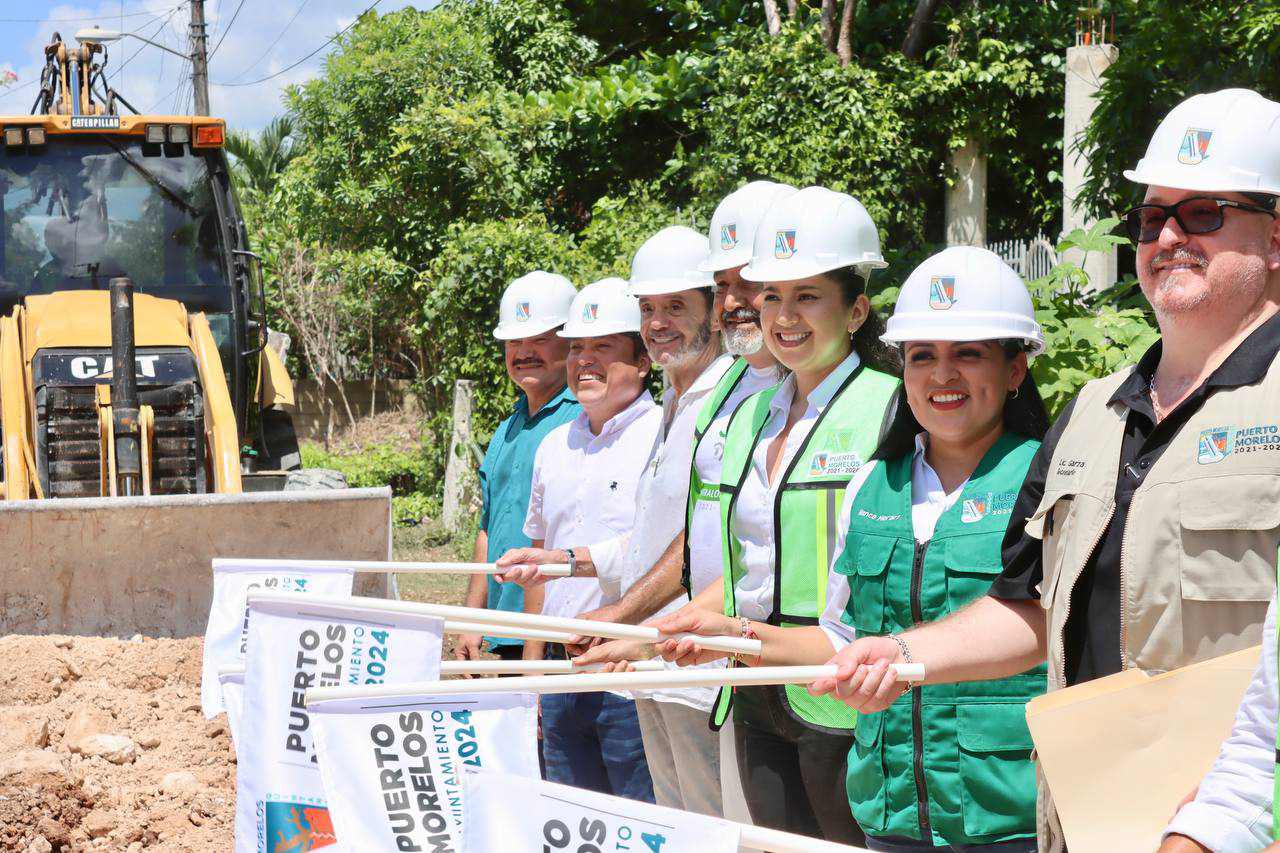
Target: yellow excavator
x: 122, y: 245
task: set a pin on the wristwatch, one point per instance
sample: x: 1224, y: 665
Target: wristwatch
x: 573, y: 562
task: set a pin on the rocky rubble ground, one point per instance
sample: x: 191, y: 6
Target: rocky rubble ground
x: 103, y: 747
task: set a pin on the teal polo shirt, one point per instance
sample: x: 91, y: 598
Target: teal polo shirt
x: 506, y: 478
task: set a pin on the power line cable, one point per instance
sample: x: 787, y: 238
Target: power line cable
x: 271, y: 47
x: 230, y: 24
x: 144, y: 45
x: 137, y: 14
x: 327, y: 42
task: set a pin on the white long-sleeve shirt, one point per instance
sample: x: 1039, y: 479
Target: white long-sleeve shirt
x: 584, y: 490
x: 1232, y: 810
x: 929, y: 501
x: 659, y: 514
x: 752, y: 521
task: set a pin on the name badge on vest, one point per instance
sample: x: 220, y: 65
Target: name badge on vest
x: 1217, y: 443
x: 975, y: 509
x: 826, y: 464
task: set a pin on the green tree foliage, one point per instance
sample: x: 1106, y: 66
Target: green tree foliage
x: 443, y: 153
x: 1169, y: 51
x: 256, y: 162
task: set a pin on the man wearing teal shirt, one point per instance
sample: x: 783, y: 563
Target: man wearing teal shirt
x: 533, y: 307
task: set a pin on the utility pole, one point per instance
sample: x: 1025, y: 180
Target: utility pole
x: 199, y: 58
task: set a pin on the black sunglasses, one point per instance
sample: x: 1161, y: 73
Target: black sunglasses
x: 1195, y: 215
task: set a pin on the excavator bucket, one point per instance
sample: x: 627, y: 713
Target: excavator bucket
x: 116, y: 567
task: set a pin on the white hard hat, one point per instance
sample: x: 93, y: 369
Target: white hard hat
x: 1227, y: 141
x: 533, y: 304
x: 668, y: 262
x: 810, y: 232
x: 733, y: 225
x: 602, y: 308
x: 964, y: 294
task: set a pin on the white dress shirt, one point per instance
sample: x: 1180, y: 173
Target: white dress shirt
x: 584, y: 490
x: 752, y: 521
x: 660, y: 502
x: 929, y: 501
x: 706, y: 551
x: 1232, y: 810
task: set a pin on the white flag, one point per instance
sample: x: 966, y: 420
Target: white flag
x: 226, y: 632
x: 393, y: 767
x: 295, y: 645
x: 518, y: 815
x: 231, y: 683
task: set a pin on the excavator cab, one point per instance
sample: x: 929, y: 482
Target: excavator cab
x: 122, y: 245
x: 90, y: 195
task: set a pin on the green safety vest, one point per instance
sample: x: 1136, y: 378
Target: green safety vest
x: 947, y: 763
x: 806, y: 512
x: 698, y: 490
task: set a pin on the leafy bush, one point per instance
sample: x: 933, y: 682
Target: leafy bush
x: 413, y: 476
x: 1087, y: 334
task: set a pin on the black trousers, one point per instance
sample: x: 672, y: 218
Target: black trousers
x: 793, y: 775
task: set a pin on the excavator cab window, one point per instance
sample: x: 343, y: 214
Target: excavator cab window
x: 81, y: 210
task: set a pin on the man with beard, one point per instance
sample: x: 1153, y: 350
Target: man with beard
x: 533, y: 307
x: 1145, y: 534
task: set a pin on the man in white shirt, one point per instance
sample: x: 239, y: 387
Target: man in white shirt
x: 1231, y: 811
x: 676, y: 303
x: 585, y: 475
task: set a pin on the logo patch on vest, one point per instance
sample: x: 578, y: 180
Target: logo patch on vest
x: 728, y: 236
x: 1218, y: 443
x: 826, y: 464
x: 995, y: 503
x: 1194, y: 148
x: 1215, y: 445
x: 942, y: 292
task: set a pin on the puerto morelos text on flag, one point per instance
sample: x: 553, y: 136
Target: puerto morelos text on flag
x: 294, y: 645
x: 393, y: 767
x: 226, y: 633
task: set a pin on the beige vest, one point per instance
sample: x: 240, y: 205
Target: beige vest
x: 1198, y: 556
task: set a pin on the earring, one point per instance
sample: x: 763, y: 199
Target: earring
x: 1014, y: 394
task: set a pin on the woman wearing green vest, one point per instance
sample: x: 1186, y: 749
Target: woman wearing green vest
x: 788, y: 453
x: 946, y: 767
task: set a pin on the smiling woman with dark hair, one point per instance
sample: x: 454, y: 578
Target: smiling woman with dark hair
x: 919, y: 537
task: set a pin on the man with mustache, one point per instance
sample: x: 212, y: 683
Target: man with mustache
x: 532, y: 309
x: 1145, y: 534
x: 585, y: 479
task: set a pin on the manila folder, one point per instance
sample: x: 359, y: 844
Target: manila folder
x: 1121, y: 752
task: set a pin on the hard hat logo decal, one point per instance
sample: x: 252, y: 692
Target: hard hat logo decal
x: 784, y: 244
x: 942, y: 292
x: 728, y: 236
x: 590, y: 312
x: 1195, y: 146
x: 522, y: 312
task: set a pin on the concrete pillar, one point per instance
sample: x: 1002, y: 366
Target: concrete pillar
x: 967, y: 197
x: 459, y: 472
x: 1085, y: 64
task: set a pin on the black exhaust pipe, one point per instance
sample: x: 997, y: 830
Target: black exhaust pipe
x: 124, y: 390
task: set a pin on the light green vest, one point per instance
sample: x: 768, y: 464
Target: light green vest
x: 698, y: 490
x: 947, y: 763
x: 806, y: 512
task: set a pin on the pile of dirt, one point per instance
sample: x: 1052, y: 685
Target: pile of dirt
x: 103, y: 747
x: 401, y: 428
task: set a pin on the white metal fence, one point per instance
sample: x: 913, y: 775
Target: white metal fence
x: 1031, y: 258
